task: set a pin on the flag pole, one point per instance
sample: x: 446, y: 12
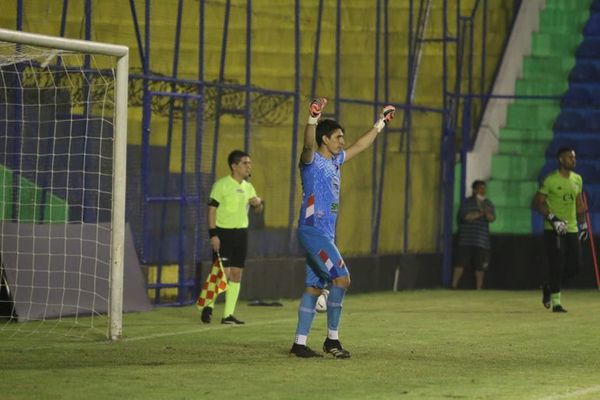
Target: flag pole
x: 588, y: 221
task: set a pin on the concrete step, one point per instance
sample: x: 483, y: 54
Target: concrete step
x: 515, y: 220
x: 523, y: 148
x: 555, y: 43
x: 532, y: 114
x: 541, y: 87
x: 514, y: 194
x: 551, y: 68
x: 518, y: 168
x: 526, y: 134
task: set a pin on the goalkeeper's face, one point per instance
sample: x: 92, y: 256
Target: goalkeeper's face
x: 335, y: 142
x: 568, y: 160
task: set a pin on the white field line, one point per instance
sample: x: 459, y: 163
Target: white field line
x: 206, y: 328
x: 200, y: 329
x: 574, y: 394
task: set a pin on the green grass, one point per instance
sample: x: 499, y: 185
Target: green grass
x: 407, y: 345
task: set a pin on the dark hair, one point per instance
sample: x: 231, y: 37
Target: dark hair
x: 235, y: 157
x: 562, y: 150
x: 477, y: 183
x: 326, y: 127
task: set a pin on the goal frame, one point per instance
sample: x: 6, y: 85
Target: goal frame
x: 119, y: 155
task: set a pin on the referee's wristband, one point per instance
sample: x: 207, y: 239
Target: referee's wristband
x: 212, y: 232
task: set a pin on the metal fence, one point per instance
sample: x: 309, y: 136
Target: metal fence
x: 214, y: 75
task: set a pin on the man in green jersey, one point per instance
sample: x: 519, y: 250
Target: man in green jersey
x: 559, y: 200
x: 230, y: 199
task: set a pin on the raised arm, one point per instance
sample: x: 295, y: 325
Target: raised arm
x: 369, y: 136
x: 310, y: 131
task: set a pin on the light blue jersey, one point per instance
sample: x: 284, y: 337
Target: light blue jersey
x: 321, y: 193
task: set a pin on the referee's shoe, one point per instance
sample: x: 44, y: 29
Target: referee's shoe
x: 206, y: 315
x: 231, y: 320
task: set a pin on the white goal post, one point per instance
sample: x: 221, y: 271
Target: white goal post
x: 118, y: 116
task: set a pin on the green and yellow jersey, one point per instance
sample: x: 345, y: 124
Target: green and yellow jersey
x: 561, y: 194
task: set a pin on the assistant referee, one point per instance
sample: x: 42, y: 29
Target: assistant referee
x: 230, y: 199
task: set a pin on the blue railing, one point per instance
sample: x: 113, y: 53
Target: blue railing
x: 378, y: 167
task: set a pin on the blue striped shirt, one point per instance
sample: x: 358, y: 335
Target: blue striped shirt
x: 476, y: 232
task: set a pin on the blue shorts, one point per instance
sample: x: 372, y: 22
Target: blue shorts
x: 324, y: 262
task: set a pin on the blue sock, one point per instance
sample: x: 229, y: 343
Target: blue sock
x: 306, y: 314
x: 334, y: 310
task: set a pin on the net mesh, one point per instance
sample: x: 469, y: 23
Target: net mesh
x: 56, y: 173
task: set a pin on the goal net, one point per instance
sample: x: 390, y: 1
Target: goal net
x: 63, y: 115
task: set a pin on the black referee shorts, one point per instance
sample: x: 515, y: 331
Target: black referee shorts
x: 234, y: 246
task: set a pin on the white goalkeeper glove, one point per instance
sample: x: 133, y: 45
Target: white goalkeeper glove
x: 560, y: 226
x: 315, y: 109
x: 386, y: 115
x: 583, y: 232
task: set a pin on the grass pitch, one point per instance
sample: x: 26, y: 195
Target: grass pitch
x: 433, y: 344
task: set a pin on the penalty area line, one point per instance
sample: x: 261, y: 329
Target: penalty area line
x: 205, y: 329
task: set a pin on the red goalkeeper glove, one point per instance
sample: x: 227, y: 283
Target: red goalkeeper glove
x: 316, y: 108
x: 386, y: 115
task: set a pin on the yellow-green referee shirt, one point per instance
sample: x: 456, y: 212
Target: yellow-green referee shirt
x: 232, y: 212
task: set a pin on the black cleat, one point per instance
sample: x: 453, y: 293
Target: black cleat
x: 334, y: 347
x: 206, y: 315
x: 231, y: 320
x: 558, y: 308
x: 546, y: 295
x: 302, y: 351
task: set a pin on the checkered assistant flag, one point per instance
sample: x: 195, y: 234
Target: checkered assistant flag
x: 216, y: 282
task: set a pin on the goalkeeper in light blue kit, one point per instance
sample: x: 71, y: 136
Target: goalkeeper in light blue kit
x: 322, y: 156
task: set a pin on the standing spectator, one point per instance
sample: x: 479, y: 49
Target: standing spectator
x: 230, y: 198
x: 474, y: 217
x: 560, y: 203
